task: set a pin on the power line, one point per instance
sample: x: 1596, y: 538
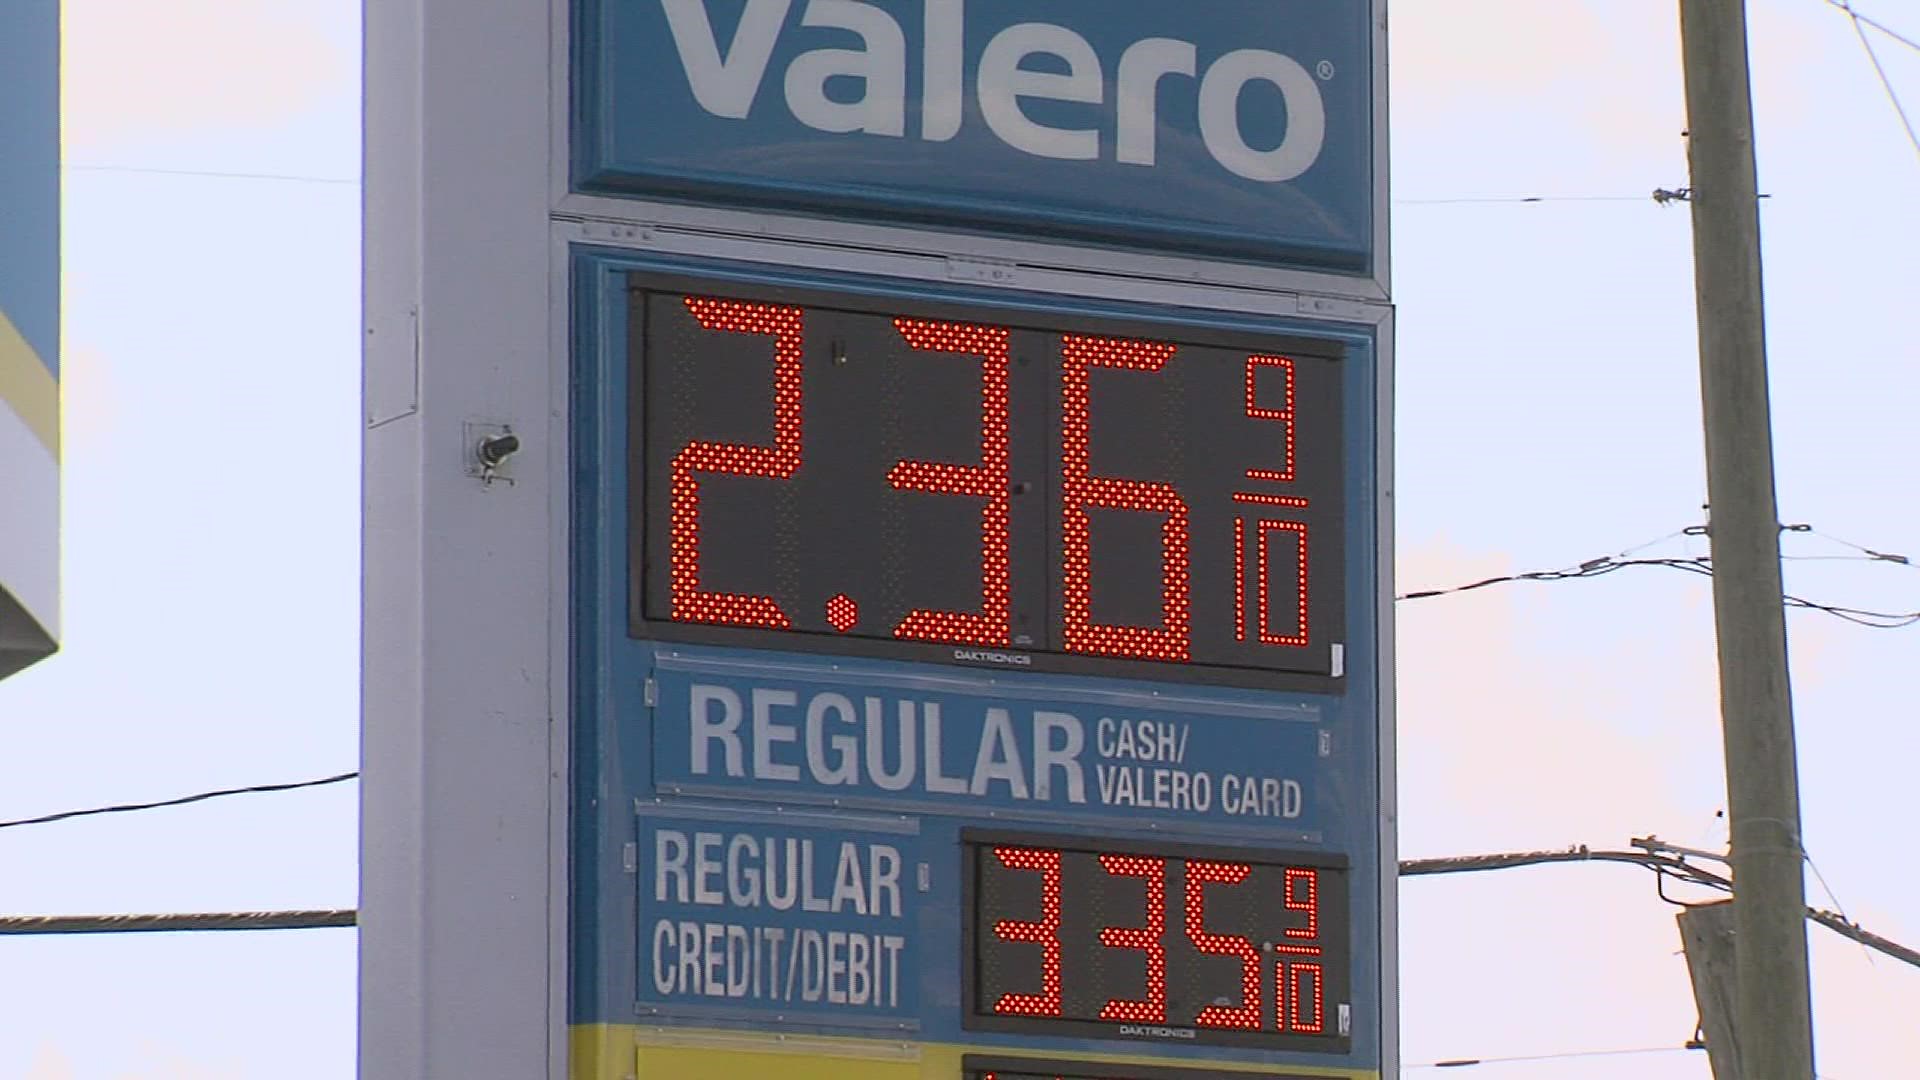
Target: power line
x: 319, y: 919
x: 1860, y: 24
x: 1702, y: 565
x: 1699, y: 564
x: 1845, y: 927
x: 1654, y: 856
x: 1462, y: 1063
x: 1824, y: 887
x: 1596, y: 567
x: 1847, y: 6
x: 1876, y: 556
x: 1832, y: 896
x: 1509, y: 199
x: 215, y: 174
x: 127, y: 808
x: 1659, y: 196
x: 1657, y: 860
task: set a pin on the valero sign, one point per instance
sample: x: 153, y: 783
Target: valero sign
x: 29, y: 331
x: 1241, y: 128
x: 935, y: 622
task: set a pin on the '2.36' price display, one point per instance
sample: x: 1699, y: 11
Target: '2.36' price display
x: 962, y: 483
x: 1156, y: 941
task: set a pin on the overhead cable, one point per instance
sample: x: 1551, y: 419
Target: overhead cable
x: 1462, y: 1063
x: 213, y: 174
x: 1860, y: 24
x: 128, y: 808
x: 1857, y: 16
x: 1694, y: 564
x: 319, y: 919
x: 1659, y: 196
x: 1663, y: 865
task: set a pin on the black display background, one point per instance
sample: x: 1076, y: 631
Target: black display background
x: 1092, y: 973
x: 870, y: 401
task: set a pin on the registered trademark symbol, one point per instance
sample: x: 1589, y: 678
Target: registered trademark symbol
x: 1324, y: 69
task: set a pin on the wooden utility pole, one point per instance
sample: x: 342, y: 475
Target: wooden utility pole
x: 1706, y: 932
x: 1773, y: 1018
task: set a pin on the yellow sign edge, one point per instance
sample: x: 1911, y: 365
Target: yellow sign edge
x: 653, y: 1052
x: 28, y: 387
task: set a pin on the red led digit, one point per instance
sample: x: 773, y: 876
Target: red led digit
x: 1310, y: 903
x: 1045, y: 933
x: 1300, y: 592
x: 1246, y: 1015
x: 1170, y: 640
x: 1149, y: 939
x: 1271, y: 500
x: 691, y: 603
x: 1283, y: 414
x: 1239, y: 579
x: 1306, y: 1013
x: 989, y: 480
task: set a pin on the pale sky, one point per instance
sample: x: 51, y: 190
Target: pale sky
x: 1548, y: 413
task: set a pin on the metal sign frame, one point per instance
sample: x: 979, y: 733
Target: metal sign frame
x: 470, y: 231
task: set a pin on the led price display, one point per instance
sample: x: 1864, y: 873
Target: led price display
x: 984, y: 486
x: 1156, y: 941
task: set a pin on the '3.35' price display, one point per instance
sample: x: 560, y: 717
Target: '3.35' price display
x: 969, y: 484
x: 1164, y: 942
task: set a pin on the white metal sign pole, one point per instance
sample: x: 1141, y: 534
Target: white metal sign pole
x: 455, y: 906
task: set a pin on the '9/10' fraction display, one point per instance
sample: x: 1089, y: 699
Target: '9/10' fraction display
x: 971, y: 484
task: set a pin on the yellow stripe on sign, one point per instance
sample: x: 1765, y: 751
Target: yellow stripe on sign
x: 28, y: 388
x: 632, y: 1052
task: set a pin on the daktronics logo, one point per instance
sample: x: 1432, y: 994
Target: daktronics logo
x: 1157, y: 1032
x: 983, y: 656
x: 726, y: 80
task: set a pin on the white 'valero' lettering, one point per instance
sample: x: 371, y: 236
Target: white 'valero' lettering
x: 1019, y: 63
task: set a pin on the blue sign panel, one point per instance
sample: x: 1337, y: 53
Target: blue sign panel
x: 1238, y: 128
x: 894, y: 737
x: 891, y: 861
